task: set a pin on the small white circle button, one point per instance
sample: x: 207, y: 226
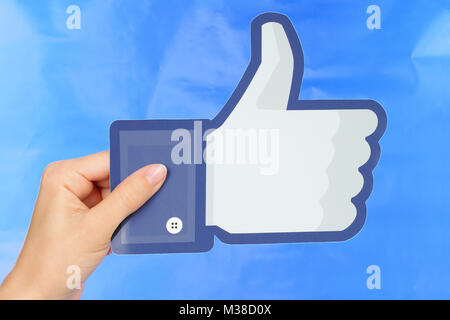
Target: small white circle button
x: 174, y: 225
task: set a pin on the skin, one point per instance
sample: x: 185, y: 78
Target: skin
x: 73, y: 220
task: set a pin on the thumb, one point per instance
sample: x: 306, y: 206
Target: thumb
x: 270, y: 87
x: 129, y: 196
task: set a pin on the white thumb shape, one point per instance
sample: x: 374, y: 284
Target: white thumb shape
x: 271, y: 84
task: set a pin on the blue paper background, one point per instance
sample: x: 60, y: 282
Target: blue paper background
x: 60, y: 89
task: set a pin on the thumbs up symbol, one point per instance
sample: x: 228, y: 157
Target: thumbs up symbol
x: 322, y: 152
x: 276, y: 169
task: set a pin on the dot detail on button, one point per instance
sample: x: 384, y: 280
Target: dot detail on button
x: 174, y: 225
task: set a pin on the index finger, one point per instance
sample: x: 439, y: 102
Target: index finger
x: 94, y: 167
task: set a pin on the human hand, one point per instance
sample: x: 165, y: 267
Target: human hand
x: 74, y: 218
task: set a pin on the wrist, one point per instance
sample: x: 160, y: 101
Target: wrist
x: 19, y: 286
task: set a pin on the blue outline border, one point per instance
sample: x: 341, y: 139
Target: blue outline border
x: 205, y: 234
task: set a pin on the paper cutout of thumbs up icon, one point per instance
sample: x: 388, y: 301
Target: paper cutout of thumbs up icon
x: 269, y: 168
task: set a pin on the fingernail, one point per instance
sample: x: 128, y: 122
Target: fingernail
x: 156, y: 173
